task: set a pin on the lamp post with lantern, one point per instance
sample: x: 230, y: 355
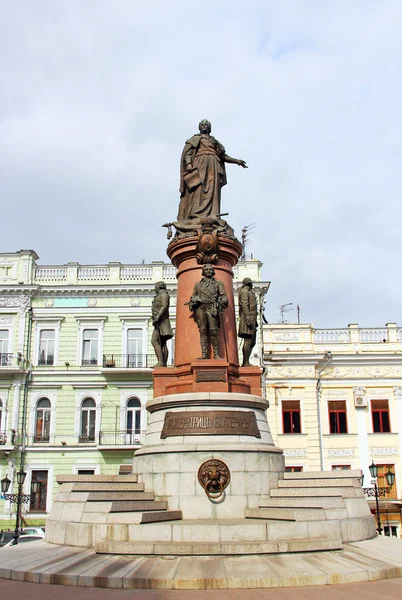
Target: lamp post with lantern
x: 19, y: 498
x: 379, y: 491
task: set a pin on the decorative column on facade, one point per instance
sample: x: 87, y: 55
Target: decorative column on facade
x: 398, y: 403
x: 359, y: 392
x: 16, y: 405
x: 310, y: 426
x: 24, y: 306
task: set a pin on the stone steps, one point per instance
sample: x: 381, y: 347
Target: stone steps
x: 296, y: 514
x: 94, y: 486
x: 321, y: 483
x: 129, y: 478
x: 159, y: 517
x: 138, y: 506
x: 347, y: 474
x: 227, y: 530
x: 346, y: 492
x: 217, y: 548
x: 120, y: 496
x: 302, y: 502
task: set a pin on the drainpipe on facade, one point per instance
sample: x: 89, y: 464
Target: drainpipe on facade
x: 24, y: 423
x: 329, y: 357
x: 262, y: 320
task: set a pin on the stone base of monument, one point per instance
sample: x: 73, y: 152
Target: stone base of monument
x: 187, y: 430
x: 209, y: 481
x: 200, y: 375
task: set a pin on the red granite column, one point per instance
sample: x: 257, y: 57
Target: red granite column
x: 187, y: 339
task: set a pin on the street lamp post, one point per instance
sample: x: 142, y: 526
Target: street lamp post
x: 19, y: 498
x: 379, y: 491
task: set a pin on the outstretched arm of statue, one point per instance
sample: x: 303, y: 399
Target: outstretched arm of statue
x: 235, y: 161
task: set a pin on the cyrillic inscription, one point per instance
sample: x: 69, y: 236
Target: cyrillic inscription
x: 211, y: 422
x: 218, y: 375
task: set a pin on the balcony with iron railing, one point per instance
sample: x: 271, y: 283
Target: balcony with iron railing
x: 129, y: 361
x: 305, y: 338
x: 11, y: 361
x: 8, y: 439
x: 115, y: 439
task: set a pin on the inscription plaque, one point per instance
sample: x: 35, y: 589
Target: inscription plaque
x: 210, y: 422
x: 216, y: 375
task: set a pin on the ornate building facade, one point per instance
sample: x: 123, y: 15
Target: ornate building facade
x: 336, y: 403
x: 76, y: 366
x: 76, y: 372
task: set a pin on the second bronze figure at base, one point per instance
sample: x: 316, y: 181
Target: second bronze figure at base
x: 160, y: 318
x: 207, y: 302
x: 247, y: 319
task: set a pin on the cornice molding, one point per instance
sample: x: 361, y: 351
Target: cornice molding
x: 87, y: 386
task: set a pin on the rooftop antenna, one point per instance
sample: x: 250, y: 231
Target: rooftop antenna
x: 298, y: 308
x: 245, y: 232
x: 284, y: 309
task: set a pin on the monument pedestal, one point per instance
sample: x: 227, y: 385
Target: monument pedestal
x: 208, y: 479
x: 185, y: 430
x: 206, y: 375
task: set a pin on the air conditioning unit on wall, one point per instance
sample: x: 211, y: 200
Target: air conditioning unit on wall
x: 360, y: 401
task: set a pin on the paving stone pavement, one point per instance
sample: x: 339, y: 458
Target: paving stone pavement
x: 44, y: 563
x: 390, y: 589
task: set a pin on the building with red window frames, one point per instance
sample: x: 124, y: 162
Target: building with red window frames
x: 336, y: 403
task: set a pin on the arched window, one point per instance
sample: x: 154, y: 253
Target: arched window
x: 133, y: 421
x: 42, y: 420
x: 88, y: 420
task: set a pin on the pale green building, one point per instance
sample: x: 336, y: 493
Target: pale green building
x: 76, y: 363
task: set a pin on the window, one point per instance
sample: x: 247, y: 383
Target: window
x: 337, y: 416
x: 382, y: 480
x: 38, y: 500
x: 46, y: 347
x: 4, y: 357
x: 90, y: 347
x: 42, y: 421
x: 293, y: 469
x: 135, y: 358
x: 291, y: 416
x: 380, y: 414
x: 341, y: 467
x: 85, y: 471
x: 88, y: 420
x: 133, y: 420
x: 391, y: 530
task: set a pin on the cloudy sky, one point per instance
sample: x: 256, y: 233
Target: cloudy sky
x: 98, y: 96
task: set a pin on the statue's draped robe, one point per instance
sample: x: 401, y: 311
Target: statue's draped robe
x: 206, y: 154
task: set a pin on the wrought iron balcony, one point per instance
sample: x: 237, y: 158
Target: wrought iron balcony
x: 47, y: 361
x: 89, y: 361
x: 129, y: 361
x: 6, y: 359
x: 86, y: 439
x: 121, y: 438
x: 41, y: 439
x: 10, y: 438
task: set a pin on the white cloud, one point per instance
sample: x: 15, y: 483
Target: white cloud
x: 98, y: 98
